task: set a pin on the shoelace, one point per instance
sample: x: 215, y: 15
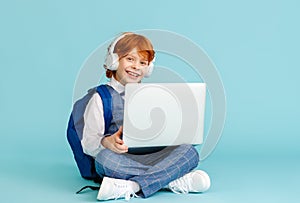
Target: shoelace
x: 121, y: 191
x: 181, y: 185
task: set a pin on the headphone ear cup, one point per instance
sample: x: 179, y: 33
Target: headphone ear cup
x: 150, y: 70
x: 112, y: 61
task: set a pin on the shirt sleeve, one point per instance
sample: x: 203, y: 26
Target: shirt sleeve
x: 93, y: 130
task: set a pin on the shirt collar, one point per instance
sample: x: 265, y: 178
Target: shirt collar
x: 116, y: 85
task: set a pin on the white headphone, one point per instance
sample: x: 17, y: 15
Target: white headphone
x: 112, y: 59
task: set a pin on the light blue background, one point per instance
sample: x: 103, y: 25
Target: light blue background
x: 254, y: 44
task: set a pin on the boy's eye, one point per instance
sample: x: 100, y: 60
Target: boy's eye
x: 144, y: 63
x: 130, y: 59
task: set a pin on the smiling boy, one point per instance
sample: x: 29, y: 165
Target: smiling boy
x: 130, y: 59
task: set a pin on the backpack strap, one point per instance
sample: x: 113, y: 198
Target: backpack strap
x: 88, y: 187
x: 107, y: 105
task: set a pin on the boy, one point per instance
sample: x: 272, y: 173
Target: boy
x: 130, y: 59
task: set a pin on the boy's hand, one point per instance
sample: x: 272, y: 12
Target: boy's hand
x: 114, y: 142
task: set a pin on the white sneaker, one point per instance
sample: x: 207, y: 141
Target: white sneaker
x: 195, y: 181
x: 112, y: 188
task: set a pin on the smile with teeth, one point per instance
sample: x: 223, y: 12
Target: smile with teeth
x: 133, y: 74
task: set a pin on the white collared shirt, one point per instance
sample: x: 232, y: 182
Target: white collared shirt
x: 94, y: 127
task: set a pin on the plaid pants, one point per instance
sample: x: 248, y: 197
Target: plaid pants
x: 151, y: 171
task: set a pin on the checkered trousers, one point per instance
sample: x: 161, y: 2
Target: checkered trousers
x: 151, y: 171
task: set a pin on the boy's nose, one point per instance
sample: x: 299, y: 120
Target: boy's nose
x: 135, y: 65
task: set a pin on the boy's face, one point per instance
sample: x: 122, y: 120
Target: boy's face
x: 132, y: 68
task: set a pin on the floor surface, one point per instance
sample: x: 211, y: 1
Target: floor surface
x: 234, y: 179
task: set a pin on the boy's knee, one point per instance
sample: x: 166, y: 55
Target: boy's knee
x: 191, y: 153
x: 103, y: 156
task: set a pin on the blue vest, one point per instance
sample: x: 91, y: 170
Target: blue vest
x: 117, y: 111
x: 113, y: 108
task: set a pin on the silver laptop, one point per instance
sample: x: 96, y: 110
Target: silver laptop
x: 163, y: 114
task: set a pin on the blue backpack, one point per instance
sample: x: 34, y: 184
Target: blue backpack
x: 86, y: 163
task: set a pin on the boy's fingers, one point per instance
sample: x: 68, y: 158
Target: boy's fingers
x: 119, y: 141
x: 122, y: 148
x: 118, y: 135
x: 119, y: 132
